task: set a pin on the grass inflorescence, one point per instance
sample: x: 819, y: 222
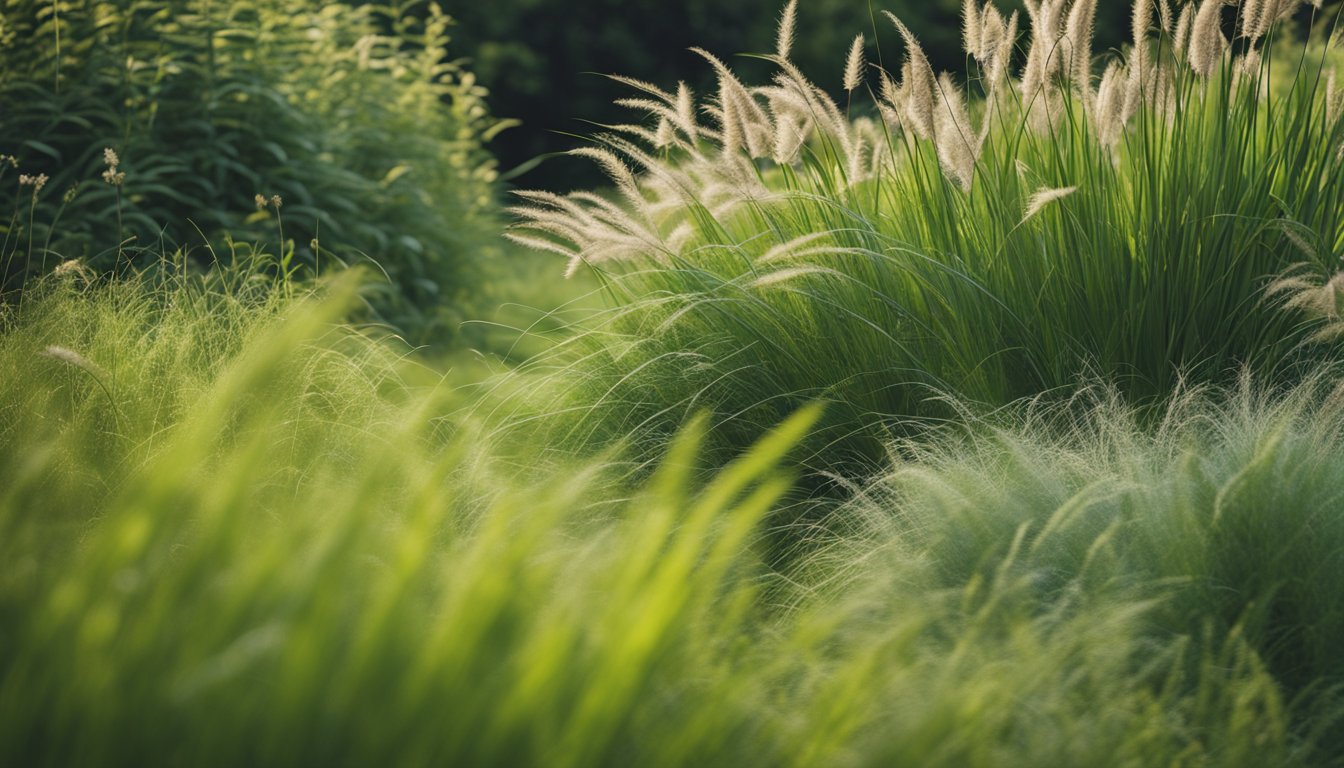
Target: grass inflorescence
x: 995, y: 239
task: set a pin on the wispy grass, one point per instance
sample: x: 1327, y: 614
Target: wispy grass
x: 778, y: 251
x: 1221, y: 518
x: 260, y: 544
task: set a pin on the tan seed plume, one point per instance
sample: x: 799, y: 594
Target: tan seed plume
x: 1043, y: 197
x: 854, y: 64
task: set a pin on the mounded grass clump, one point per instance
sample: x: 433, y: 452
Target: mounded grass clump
x: 235, y: 533
x: 1222, y: 520
x: 1050, y: 219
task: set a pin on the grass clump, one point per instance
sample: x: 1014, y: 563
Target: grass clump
x: 280, y: 554
x: 993, y: 240
x: 1220, y: 518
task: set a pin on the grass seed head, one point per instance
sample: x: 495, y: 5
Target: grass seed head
x: 1181, y: 39
x: 854, y: 64
x: 788, y: 20
x: 1206, y: 39
x: 917, y: 82
x: 973, y: 29
x: 1043, y: 197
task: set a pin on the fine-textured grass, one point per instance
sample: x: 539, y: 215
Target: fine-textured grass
x: 236, y: 531
x: 1055, y: 226
x: 232, y: 533
x: 1225, y: 515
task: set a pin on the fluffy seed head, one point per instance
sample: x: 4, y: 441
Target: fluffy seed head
x: 1043, y: 197
x: 1141, y: 20
x: 1108, y: 121
x: 1078, y: 32
x: 992, y: 31
x: 917, y: 82
x: 956, y: 141
x: 71, y: 357
x: 1206, y: 39
x: 787, y: 21
x: 854, y: 64
x: 1334, y: 100
x: 972, y: 29
x: 1181, y: 39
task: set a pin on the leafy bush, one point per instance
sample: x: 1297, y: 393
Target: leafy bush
x: 782, y: 251
x: 354, y: 117
x: 274, y: 554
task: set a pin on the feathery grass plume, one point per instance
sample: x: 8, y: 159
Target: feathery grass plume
x: 1108, y: 121
x: 1259, y: 16
x: 684, y: 113
x: 1206, y: 39
x: 744, y: 125
x: 945, y: 289
x: 616, y: 170
x: 1319, y: 300
x: 788, y: 20
x: 1334, y: 99
x: 1006, y: 37
x: 790, y: 135
x: 792, y: 273
x: 917, y: 82
x: 1044, y: 63
x: 854, y: 64
x: 72, y: 358
x: 1180, y: 40
x: 664, y: 136
x: 1078, y: 32
x: 1043, y: 197
x: 973, y: 29
x: 991, y: 28
x: 1164, y: 16
x: 1251, y: 16
x: 954, y: 137
x: 888, y: 90
x: 1138, y: 65
x: 1141, y: 19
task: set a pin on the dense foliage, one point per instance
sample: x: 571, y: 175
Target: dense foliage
x: 234, y: 534
x: 355, y: 118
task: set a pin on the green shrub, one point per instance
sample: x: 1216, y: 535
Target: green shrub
x: 354, y: 117
x: 781, y: 250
